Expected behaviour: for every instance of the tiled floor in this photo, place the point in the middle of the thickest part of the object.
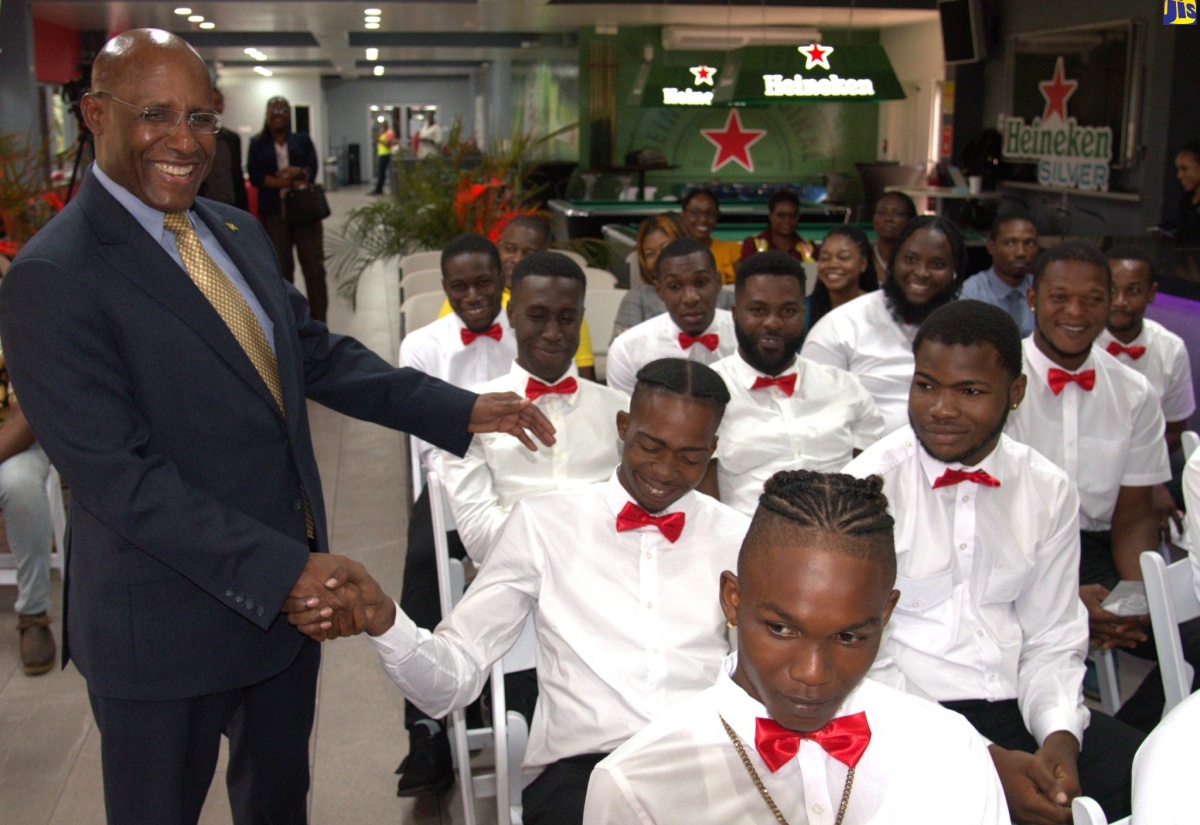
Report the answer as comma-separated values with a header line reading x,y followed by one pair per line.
x,y
49,747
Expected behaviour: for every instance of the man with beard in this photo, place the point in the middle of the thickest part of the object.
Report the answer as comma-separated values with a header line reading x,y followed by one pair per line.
x,y
1100,422
987,546
686,280
1013,245
871,336
818,417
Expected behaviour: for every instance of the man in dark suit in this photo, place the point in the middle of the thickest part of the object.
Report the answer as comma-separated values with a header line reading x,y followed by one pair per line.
x,y
226,182
196,502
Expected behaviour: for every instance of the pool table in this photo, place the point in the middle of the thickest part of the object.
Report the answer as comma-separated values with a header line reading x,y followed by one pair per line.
x,y
586,219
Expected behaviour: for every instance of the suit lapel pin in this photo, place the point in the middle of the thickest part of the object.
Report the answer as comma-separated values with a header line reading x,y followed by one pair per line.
x,y
232,226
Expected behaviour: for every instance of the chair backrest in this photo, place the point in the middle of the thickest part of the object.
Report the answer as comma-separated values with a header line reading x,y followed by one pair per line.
x,y
420,282
1087,811
1171,594
1189,440
573,255
600,309
421,260
599,279
420,310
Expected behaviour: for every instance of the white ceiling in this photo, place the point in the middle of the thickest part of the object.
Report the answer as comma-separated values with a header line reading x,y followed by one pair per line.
x,y
332,22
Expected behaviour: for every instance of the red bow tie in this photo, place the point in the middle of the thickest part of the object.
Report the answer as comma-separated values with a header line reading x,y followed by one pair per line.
x,y
1060,378
958,476
536,389
468,337
844,738
787,383
632,517
1115,348
709,340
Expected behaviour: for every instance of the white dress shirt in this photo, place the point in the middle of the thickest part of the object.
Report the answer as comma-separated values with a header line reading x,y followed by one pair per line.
x,y
1165,768
628,624
659,338
817,427
1106,438
923,764
437,349
1191,497
498,471
1165,365
863,338
989,582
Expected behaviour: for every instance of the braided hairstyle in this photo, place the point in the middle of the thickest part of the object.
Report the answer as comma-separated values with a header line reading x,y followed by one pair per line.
x,y
679,376
833,503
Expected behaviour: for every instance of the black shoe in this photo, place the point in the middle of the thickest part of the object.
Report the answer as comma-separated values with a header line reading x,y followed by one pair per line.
x,y
428,768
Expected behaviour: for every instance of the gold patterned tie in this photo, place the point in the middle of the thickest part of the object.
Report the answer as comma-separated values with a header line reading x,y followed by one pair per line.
x,y
235,312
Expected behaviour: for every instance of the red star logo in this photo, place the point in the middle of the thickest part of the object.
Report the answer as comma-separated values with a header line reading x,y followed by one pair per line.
x,y
816,55
1057,92
703,74
733,142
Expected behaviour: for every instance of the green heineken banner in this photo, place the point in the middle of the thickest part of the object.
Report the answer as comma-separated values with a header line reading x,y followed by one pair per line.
x,y
768,75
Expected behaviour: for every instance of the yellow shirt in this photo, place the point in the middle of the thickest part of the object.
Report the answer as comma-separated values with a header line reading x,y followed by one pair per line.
x,y
583,355
726,254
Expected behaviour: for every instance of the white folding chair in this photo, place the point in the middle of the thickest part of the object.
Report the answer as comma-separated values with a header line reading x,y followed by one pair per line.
x,y
1172,599
599,279
420,310
58,527
421,260
573,255
509,732
1189,440
635,267
419,282
600,310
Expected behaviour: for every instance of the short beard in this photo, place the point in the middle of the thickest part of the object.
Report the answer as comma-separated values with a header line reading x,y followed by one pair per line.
x,y
750,355
905,311
959,458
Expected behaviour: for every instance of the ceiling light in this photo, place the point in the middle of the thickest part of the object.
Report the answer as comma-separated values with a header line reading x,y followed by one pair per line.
x,y
370,25
250,51
208,25
372,11
183,11
374,108
372,54
196,18
263,71
379,71
372,19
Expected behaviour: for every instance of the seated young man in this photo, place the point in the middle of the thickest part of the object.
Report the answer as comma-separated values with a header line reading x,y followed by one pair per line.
x,y
687,281
521,236
791,731
871,336
620,578
989,622
785,412
1013,245
1100,422
545,312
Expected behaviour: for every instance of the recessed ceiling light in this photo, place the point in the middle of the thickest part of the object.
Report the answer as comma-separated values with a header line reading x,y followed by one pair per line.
x,y
379,71
196,18
183,11
372,54
372,19
263,71
374,108
250,50
370,25
208,25
372,11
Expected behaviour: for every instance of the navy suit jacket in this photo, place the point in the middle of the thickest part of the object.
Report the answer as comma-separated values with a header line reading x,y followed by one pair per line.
x,y
262,161
187,530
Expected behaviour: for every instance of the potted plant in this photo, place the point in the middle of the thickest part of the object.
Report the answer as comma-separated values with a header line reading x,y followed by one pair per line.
x,y
26,202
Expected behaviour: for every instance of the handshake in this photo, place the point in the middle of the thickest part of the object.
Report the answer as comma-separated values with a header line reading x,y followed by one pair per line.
x,y
336,596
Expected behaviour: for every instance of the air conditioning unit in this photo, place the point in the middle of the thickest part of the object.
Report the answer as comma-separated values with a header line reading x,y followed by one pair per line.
x,y
699,38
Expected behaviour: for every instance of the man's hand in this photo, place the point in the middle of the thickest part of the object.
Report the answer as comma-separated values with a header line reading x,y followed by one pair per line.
x,y
313,617
1165,511
1108,630
344,605
1034,794
507,412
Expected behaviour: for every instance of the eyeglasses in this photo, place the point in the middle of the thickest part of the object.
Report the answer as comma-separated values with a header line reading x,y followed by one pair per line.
x,y
166,120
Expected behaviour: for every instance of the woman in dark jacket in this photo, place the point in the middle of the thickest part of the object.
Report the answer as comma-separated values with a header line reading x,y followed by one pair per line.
x,y
278,160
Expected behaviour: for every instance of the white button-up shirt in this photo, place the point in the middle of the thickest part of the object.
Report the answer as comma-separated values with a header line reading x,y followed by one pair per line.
x,y
657,338
818,427
988,580
864,339
437,349
923,764
628,624
1106,438
1164,364
498,471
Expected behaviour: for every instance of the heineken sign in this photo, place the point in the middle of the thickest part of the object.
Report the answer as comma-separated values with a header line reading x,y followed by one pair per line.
x,y
1067,154
816,56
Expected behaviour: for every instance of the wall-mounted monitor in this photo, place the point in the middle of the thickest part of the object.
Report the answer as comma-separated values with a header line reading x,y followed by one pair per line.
x,y
962,30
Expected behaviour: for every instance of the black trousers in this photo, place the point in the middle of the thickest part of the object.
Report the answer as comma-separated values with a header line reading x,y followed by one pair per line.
x,y
558,795
1105,758
158,758
382,162
309,245
419,600
1144,708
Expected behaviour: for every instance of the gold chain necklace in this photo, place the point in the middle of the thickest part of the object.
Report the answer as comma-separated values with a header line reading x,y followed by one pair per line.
x,y
741,751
